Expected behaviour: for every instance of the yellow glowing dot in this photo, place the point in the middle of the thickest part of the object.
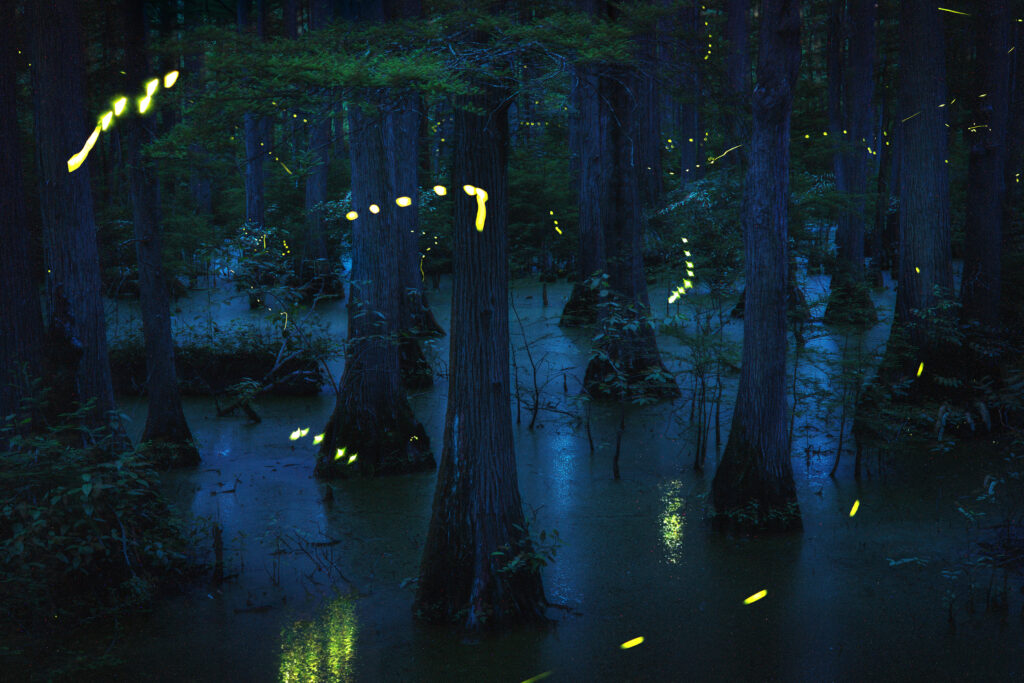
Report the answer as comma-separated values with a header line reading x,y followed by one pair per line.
x,y
119,105
152,86
691,139
170,78
294,436
686,253
690,273
469,189
920,369
632,643
825,133
558,230
856,506
917,269
318,438
338,453
755,597
351,215
105,121
670,139
440,190
685,240
845,133
403,201
144,104
374,208
352,458
807,136
552,213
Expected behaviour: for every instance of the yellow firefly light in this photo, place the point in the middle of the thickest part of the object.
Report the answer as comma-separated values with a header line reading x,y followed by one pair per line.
x,y
317,439
755,597
917,269
352,458
339,453
440,190
152,86
170,78
403,201
632,643
294,436
920,369
540,676
481,209
351,215
374,208
106,119
144,104
79,159
469,189
856,506
119,105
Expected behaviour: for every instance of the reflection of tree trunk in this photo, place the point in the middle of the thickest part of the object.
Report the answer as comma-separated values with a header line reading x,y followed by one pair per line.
x,y
78,336
372,418
753,486
477,527
21,316
166,431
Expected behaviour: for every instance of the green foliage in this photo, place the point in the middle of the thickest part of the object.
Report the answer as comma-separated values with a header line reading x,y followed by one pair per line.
x,y
85,530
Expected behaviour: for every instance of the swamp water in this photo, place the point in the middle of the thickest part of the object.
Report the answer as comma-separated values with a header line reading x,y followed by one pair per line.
x,y
318,589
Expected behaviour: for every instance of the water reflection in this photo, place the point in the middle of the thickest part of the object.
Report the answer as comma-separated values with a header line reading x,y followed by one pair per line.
x,y
673,519
322,649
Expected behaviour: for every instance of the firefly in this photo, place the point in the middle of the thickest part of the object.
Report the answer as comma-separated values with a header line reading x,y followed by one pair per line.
x,y
540,676
144,104
339,453
317,439
351,215
632,643
403,201
78,159
920,369
105,120
170,78
119,105
374,208
755,597
856,506
152,86
440,190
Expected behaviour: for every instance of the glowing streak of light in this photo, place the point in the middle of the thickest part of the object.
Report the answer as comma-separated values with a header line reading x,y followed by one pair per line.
x,y
952,11
170,78
374,208
440,190
469,189
538,677
403,201
632,643
920,369
351,215
558,230
423,276
285,167
152,86
79,159
106,119
916,268
119,105
909,117
285,314
755,597
856,506
724,153
144,104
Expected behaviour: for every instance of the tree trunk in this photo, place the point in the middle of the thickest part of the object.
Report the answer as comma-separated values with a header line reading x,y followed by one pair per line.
x,y
688,135
649,138
252,130
925,265
372,430
986,183
77,344
594,152
315,263
753,488
166,434
627,362
737,108
476,570
849,301
21,316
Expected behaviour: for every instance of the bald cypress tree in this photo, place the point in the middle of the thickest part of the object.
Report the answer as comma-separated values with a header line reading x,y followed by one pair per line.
x,y
753,486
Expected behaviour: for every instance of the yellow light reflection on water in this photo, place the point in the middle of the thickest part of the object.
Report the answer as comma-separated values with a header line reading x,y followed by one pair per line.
x,y
672,520
323,648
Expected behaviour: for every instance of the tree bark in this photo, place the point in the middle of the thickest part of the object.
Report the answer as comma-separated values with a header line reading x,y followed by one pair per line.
x,y
372,419
253,132
21,315
925,262
477,528
981,291
737,108
315,256
753,488
166,434
77,343
849,301
688,135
